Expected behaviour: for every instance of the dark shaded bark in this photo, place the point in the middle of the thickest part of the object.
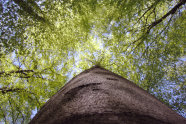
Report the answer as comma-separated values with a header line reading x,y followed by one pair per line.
x,y
98,96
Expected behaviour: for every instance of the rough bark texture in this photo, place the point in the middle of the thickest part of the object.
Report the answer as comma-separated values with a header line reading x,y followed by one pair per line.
x,y
98,96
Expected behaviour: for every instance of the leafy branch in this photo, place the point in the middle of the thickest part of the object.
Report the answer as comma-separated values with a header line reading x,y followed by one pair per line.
x,y
156,22
3,73
5,90
172,11
148,9
165,28
30,9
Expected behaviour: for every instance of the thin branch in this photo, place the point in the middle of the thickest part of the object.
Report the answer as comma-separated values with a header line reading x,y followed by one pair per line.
x,y
5,89
135,41
149,8
154,11
19,71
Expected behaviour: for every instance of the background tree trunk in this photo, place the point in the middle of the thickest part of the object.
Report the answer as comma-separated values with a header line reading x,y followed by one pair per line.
x,y
98,96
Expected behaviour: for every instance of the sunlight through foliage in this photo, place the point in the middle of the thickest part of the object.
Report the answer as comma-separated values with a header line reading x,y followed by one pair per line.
x,y
44,43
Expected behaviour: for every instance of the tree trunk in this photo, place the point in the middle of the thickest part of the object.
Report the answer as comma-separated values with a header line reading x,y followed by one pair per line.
x,y
98,96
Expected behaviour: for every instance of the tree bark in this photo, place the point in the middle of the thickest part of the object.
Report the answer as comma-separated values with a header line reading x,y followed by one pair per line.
x,y
98,96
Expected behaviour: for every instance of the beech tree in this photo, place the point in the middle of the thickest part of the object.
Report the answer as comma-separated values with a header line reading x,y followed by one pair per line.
x,y
45,43
98,96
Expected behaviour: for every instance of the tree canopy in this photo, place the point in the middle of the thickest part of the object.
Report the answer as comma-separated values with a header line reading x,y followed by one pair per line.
x,y
45,43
